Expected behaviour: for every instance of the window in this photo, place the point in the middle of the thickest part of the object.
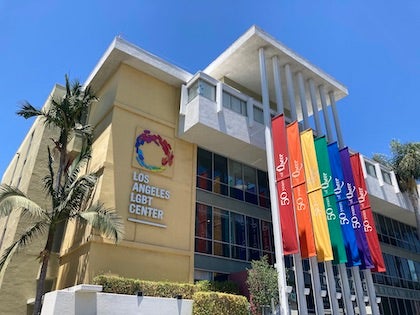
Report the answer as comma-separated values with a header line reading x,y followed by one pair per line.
x,y
203,88
231,178
370,169
258,115
221,232
234,103
386,177
204,169
203,229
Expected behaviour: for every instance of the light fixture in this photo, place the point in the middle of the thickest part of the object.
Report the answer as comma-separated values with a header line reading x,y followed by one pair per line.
x,y
139,293
289,289
353,297
307,291
378,300
323,293
178,297
338,295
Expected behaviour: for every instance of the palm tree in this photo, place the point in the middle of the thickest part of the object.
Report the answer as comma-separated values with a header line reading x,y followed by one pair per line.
x,y
68,189
405,161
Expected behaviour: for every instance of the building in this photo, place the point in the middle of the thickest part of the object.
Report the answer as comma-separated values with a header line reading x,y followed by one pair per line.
x,y
184,163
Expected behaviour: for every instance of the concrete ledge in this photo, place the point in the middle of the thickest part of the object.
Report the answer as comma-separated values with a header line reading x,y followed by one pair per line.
x,y
86,299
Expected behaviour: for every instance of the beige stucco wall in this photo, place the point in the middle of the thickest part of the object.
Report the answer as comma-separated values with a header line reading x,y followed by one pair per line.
x,y
18,284
130,102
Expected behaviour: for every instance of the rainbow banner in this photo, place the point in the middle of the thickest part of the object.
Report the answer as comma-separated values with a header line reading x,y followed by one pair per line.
x,y
344,215
356,216
316,202
367,216
330,204
300,196
284,188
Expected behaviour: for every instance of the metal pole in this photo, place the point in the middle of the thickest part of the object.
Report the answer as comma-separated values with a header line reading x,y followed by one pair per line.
x,y
345,289
371,291
359,290
336,120
302,96
290,92
277,85
332,290
316,286
281,271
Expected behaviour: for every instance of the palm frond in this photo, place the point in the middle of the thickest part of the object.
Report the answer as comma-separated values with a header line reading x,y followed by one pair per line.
x,y
12,198
106,221
33,231
28,111
49,179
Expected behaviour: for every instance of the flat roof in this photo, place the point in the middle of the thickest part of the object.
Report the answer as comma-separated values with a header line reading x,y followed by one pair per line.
x,y
240,63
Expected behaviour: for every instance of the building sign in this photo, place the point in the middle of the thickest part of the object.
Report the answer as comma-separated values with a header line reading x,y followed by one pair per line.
x,y
146,137
143,193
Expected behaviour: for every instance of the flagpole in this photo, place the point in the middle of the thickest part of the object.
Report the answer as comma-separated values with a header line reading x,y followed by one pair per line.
x,y
281,270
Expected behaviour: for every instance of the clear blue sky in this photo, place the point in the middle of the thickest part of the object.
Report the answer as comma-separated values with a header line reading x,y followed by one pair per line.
x,y
372,47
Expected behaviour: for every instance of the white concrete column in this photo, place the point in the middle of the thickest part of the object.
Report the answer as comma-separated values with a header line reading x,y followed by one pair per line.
x,y
336,120
250,111
302,96
345,289
371,291
184,100
359,290
278,241
290,92
219,97
325,113
312,93
277,85
332,290
316,286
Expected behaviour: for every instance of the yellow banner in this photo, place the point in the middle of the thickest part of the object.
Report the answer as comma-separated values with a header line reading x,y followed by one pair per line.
x,y
320,226
309,160
316,200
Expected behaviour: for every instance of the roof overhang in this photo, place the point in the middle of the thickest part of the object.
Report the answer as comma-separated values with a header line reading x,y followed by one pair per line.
x,y
240,63
122,52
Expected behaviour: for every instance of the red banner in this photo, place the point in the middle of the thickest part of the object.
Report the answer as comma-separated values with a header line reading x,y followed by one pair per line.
x,y
367,216
284,188
281,158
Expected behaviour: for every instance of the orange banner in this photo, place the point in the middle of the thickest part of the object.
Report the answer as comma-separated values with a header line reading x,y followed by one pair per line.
x,y
303,218
300,197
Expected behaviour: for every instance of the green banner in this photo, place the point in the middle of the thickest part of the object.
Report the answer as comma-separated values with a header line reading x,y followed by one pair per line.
x,y
327,186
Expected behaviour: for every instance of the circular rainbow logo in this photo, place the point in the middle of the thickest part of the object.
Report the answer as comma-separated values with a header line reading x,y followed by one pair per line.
x,y
146,138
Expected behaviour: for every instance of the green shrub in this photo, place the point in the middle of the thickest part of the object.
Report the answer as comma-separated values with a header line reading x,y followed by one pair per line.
x,y
113,284
218,286
210,303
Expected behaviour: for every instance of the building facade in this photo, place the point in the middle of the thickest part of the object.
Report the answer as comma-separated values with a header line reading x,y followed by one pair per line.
x,y
184,163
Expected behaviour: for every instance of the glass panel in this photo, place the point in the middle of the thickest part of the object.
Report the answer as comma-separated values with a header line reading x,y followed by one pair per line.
x,y
370,169
250,181
235,180
220,175
253,254
203,221
221,249
258,115
237,229
221,225
263,191
207,90
239,252
243,108
253,229
193,91
204,169
226,100
386,177
235,104
267,236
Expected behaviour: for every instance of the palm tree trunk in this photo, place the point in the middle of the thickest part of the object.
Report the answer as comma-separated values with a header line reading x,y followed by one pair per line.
x,y
45,256
415,203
